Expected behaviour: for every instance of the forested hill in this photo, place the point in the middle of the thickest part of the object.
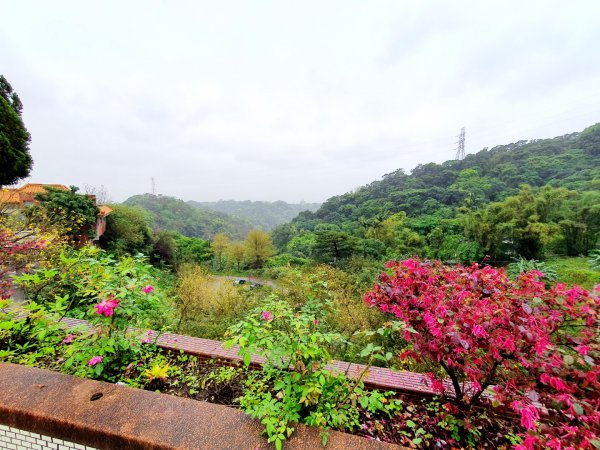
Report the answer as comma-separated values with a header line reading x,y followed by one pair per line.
x,y
169,213
264,215
570,161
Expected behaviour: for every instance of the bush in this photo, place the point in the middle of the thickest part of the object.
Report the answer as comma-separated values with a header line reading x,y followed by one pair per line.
x,y
294,385
536,348
208,305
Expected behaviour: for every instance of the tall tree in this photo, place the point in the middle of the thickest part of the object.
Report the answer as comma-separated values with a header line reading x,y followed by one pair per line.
x,y
259,247
15,160
219,247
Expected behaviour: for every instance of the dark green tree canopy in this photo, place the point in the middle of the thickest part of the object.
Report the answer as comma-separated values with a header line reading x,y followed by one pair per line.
x,y
76,212
15,160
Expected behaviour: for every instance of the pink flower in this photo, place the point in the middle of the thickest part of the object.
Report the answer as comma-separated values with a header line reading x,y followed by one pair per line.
x,y
267,315
479,331
95,360
582,349
68,339
107,306
148,289
316,322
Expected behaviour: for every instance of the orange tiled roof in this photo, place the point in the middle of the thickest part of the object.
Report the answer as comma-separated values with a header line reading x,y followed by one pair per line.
x,y
9,196
38,188
104,210
26,193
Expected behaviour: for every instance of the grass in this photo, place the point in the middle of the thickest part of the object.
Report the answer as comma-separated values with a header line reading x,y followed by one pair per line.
x,y
575,271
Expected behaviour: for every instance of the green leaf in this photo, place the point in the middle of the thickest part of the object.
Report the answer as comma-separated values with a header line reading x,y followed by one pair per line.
x,y
568,359
578,409
247,359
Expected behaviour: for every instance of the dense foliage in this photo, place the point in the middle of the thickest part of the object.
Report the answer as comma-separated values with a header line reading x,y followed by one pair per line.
x,y
529,199
169,213
15,160
74,213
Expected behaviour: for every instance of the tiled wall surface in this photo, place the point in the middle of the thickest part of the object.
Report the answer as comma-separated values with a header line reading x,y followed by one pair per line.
x,y
15,439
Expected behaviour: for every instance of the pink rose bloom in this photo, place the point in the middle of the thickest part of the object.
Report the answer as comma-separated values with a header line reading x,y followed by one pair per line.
x,y
68,339
148,289
267,315
95,360
107,306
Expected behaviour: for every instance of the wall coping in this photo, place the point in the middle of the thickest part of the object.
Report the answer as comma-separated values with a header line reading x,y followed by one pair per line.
x,y
124,418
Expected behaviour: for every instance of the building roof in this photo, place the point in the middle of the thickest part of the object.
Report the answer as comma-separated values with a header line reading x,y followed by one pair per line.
x,y
9,196
38,188
26,193
104,211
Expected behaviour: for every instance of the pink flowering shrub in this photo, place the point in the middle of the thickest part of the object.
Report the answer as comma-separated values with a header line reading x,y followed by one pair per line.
x,y
536,349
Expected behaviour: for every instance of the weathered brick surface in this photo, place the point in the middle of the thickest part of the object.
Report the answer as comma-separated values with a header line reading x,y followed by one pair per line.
x,y
15,438
376,377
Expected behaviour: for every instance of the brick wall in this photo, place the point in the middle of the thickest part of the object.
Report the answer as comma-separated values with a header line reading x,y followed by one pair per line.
x,y
15,439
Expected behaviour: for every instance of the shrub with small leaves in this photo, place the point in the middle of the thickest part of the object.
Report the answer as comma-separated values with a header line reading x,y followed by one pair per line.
x,y
536,348
294,385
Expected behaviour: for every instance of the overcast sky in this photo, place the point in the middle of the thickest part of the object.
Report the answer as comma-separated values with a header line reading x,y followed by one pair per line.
x,y
288,100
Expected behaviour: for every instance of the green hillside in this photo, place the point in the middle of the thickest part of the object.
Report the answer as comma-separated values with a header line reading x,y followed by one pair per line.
x,y
570,161
170,213
530,199
264,215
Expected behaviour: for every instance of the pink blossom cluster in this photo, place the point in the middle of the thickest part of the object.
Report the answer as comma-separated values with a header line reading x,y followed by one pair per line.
x,y
536,347
95,360
107,306
148,289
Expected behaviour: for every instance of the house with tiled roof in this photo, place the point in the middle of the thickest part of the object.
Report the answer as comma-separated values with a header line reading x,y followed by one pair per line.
x,y
17,198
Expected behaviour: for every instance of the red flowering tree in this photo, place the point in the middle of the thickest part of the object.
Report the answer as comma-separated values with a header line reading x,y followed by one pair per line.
x,y
15,253
531,348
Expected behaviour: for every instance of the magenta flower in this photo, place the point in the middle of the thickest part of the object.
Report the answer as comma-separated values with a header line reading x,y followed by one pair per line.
x,y
107,306
267,315
148,289
95,360
316,322
68,339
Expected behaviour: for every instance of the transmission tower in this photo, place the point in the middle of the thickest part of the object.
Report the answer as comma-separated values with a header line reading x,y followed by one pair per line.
x,y
460,150
153,185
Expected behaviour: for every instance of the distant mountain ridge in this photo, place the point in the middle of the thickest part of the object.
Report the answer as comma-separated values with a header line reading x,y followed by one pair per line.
x,y
170,213
264,215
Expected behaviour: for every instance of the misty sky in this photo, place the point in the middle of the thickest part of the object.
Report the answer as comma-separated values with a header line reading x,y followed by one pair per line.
x,y
288,100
